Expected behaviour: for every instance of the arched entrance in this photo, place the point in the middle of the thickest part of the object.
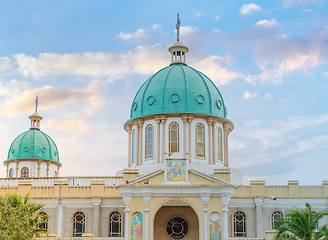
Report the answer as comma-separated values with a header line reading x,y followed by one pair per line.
x,y
176,220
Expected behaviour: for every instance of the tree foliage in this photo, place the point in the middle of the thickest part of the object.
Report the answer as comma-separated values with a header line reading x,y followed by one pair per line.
x,y
301,225
19,219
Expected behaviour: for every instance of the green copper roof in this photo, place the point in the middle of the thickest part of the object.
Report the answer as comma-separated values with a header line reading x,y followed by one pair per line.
x,y
178,89
33,144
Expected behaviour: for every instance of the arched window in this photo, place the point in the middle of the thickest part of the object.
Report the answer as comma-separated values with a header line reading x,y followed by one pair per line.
x,y
11,173
149,141
220,151
200,140
173,138
275,218
239,224
133,146
44,222
79,224
24,172
115,224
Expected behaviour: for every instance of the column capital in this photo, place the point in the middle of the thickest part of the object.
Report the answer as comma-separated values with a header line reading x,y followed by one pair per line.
x,y
184,118
96,201
141,121
127,200
146,199
158,119
258,201
209,120
228,127
225,200
163,118
128,127
190,117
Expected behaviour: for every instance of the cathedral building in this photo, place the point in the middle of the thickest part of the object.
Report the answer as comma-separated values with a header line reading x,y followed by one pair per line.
x,y
177,184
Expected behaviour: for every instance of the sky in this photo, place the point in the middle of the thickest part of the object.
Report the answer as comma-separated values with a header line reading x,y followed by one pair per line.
x,y
86,60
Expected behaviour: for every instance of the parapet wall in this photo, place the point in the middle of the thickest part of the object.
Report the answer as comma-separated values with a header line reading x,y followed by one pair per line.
x,y
292,190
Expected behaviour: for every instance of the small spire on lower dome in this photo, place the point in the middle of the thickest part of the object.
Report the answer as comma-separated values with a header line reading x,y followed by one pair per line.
x,y
35,117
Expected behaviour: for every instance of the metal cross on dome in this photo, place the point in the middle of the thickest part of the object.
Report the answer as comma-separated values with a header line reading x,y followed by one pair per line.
x,y
36,103
178,27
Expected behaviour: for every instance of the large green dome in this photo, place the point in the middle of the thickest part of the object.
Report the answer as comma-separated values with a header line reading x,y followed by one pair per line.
x,y
178,88
33,144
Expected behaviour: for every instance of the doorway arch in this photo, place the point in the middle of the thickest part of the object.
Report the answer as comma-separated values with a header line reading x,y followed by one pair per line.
x,y
176,219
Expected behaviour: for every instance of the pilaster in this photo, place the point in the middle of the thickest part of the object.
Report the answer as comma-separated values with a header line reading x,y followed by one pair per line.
x,y
96,216
259,218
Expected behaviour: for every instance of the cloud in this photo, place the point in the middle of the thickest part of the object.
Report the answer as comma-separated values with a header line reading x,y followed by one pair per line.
x,y
213,68
217,18
248,95
267,23
137,36
268,135
51,97
248,9
12,87
4,63
300,3
281,55
197,13
317,142
268,96
140,60
75,125
268,147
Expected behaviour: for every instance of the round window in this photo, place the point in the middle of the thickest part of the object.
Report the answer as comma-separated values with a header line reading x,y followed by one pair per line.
x,y
177,228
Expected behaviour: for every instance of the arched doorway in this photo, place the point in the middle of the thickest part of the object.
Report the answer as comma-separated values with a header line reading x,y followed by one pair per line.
x,y
176,220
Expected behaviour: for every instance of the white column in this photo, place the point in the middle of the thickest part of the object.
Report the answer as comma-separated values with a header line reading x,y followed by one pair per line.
x,y
141,145
185,121
129,128
96,216
127,211
209,126
225,201
205,200
258,208
190,141
158,139
146,210
163,121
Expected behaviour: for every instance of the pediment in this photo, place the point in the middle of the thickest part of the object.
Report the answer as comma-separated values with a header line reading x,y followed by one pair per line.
x,y
190,178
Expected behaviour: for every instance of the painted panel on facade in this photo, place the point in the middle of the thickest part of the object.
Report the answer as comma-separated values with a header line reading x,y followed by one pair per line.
x,y
136,226
176,170
215,226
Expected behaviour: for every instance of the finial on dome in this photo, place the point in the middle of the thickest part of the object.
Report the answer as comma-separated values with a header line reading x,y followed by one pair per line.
x,y
178,50
36,103
178,27
35,117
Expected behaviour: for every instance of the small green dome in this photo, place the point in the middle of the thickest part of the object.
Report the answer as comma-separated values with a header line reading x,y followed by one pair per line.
x,y
33,144
178,89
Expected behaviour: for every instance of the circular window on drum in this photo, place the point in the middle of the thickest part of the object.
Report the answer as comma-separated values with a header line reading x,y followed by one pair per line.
x,y
177,228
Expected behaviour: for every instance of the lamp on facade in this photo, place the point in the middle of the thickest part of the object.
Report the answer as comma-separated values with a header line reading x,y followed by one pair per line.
x,y
273,198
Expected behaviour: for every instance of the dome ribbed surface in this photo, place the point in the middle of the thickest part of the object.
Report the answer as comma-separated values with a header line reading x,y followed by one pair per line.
x,y
33,144
178,89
